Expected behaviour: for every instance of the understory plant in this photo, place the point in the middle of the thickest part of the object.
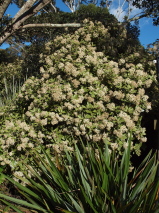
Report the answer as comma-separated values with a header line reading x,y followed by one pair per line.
x,y
11,88
89,180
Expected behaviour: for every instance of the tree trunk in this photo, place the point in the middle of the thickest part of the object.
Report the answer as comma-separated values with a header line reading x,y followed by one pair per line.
x,y
28,10
51,25
3,7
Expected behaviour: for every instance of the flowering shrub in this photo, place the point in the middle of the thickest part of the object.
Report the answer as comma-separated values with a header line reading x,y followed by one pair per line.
x,y
81,93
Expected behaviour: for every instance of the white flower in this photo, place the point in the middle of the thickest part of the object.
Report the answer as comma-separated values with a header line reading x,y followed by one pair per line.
x,y
114,146
9,124
32,133
10,141
30,145
121,61
18,173
19,148
24,140
44,122
111,106
40,135
144,139
125,145
28,114
60,65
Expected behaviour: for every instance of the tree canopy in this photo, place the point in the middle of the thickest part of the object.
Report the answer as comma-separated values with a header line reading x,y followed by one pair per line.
x,y
21,22
148,8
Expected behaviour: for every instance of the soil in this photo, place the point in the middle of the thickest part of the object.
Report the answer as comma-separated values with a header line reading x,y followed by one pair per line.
x,y
9,190
9,210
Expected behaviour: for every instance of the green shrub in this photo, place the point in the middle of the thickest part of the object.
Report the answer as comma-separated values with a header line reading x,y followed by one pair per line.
x,y
80,93
10,81
90,181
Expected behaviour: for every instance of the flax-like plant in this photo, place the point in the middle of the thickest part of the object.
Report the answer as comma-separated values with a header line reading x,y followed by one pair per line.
x,y
90,180
11,88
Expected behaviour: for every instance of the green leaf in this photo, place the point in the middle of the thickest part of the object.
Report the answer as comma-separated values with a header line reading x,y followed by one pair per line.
x,y
2,178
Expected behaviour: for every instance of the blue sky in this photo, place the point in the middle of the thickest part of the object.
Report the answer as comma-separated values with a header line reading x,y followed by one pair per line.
x,y
148,32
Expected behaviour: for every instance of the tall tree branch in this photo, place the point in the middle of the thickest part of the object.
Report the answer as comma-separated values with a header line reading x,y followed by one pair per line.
x,y
51,25
137,17
3,7
25,12
24,8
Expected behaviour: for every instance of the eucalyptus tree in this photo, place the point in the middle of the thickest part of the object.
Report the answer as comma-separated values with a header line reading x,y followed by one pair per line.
x,y
131,10
28,8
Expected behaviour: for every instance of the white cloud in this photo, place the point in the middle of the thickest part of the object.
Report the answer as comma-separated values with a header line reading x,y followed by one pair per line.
x,y
121,8
118,13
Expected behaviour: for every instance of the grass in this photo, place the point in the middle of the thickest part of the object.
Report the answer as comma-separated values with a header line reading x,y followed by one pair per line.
x,y
11,88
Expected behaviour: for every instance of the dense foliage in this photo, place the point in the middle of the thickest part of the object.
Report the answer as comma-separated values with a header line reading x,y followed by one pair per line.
x,y
81,93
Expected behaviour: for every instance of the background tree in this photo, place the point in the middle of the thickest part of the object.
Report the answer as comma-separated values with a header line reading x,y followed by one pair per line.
x,y
29,8
6,56
150,8
73,5
91,12
10,26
